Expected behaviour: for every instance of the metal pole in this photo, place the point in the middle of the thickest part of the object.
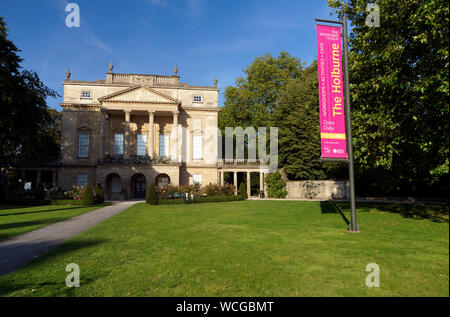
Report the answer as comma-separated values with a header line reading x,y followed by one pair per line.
x,y
353,226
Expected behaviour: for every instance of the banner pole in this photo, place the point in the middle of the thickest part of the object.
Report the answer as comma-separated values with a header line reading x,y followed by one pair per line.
x,y
353,226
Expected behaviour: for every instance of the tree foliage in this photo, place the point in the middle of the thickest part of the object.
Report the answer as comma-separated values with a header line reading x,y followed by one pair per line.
x,y
27,126
242,191
88,195
297,119
99,195
276,186
151,197
399,92
254,97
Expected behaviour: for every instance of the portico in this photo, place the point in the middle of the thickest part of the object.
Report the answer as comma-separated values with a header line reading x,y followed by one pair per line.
x,y
138,107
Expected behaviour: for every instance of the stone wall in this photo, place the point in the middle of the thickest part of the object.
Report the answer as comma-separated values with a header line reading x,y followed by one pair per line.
x,y
323,189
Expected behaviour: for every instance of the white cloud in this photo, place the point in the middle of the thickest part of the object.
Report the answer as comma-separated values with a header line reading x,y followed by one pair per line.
x,y
159,3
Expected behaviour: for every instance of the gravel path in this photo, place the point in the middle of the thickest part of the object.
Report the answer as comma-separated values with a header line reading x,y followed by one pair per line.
x,y
19,250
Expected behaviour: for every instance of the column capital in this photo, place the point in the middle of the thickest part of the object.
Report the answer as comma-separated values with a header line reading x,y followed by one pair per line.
x,y
175,112
151,111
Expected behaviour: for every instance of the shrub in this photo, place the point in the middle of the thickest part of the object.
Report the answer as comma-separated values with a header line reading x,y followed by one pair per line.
x,y
243,191
76,193
151,197
168,191
213,190
276,186
88,195
57,193
99,195
228,189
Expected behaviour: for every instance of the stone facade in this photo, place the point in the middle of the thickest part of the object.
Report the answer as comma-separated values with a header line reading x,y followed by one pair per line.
x,y
102,120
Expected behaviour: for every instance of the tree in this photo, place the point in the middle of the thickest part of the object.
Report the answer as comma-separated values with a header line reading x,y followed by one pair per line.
x,y
24,116
253,98
297,119
243,191
399,94
99,195
151,197
276,186
88,195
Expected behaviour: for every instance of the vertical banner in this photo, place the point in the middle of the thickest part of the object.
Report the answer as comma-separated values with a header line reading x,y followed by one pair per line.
x,y
331,92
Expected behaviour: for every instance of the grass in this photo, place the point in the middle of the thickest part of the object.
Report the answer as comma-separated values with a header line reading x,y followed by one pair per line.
x,y
247,248
16,220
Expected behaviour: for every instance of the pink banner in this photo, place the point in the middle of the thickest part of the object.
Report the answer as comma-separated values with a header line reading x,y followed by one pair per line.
x,y
331,92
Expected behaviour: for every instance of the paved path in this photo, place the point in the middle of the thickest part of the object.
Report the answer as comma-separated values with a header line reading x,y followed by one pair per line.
x,y
19,250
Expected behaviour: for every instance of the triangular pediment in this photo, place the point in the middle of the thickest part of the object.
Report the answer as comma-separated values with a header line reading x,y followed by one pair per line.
x,y
139,94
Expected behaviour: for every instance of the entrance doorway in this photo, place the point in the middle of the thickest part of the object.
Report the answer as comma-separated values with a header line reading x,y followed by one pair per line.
x,y
139,184
113,187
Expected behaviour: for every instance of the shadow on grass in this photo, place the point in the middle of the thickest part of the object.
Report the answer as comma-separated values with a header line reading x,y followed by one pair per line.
x,y
328,207
26,224
28,260
49,210
435,213
11,286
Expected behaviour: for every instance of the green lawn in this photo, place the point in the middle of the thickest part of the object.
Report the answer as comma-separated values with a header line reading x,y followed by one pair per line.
x,y
15,220
248,248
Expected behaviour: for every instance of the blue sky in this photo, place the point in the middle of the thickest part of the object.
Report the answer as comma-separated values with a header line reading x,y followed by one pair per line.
x,y
204,38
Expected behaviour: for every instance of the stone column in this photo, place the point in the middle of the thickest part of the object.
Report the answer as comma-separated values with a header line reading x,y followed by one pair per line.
x,y
151,129
248,185
54,181
102,135
265,187
127,134
175,137
38,179
235,182
261,182
22,180
222,178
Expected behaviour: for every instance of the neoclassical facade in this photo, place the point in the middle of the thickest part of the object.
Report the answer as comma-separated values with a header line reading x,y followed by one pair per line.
x,y
131,129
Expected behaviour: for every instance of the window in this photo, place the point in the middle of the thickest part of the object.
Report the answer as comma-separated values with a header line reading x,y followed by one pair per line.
x,y
82,179
163,145
197,179
83,145
85,94
198,99
197,147
141,143
118,144
162,180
